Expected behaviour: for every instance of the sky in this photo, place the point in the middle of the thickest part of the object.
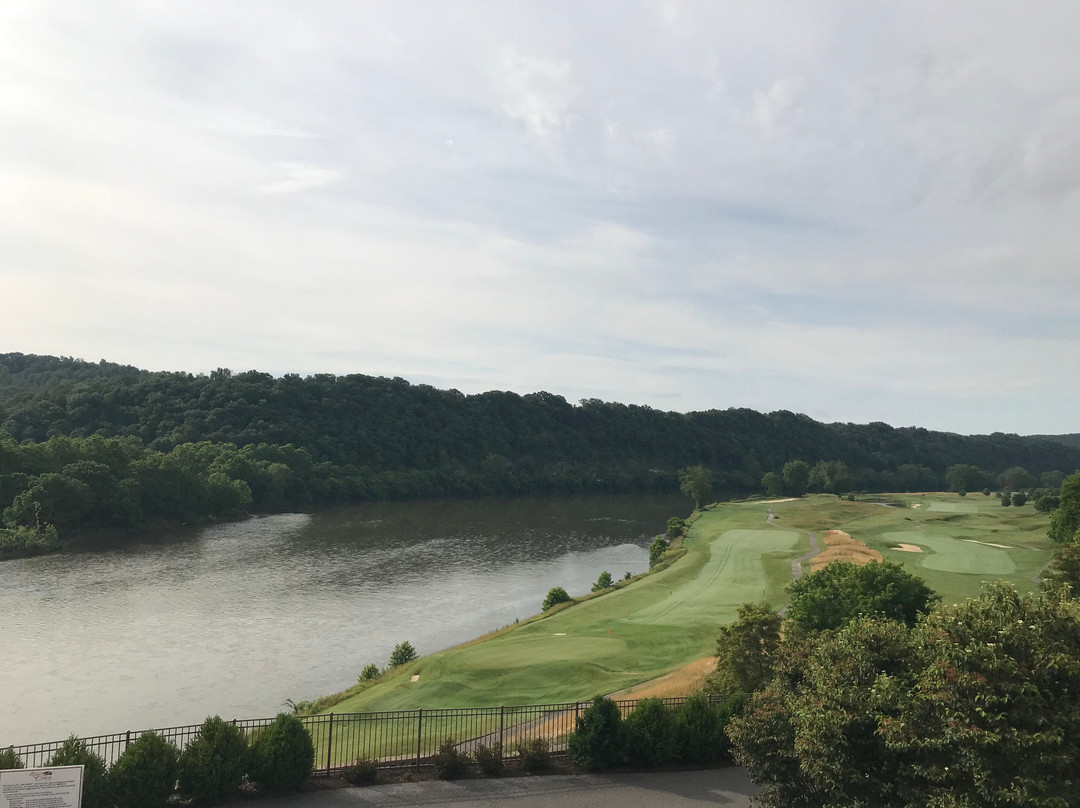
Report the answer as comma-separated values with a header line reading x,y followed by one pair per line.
x,y
858,211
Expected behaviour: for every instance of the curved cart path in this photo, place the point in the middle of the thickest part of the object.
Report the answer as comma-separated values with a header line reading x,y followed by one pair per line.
x,y
815,548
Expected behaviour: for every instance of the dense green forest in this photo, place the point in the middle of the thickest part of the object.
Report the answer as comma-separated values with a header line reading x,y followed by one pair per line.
x,y
87,444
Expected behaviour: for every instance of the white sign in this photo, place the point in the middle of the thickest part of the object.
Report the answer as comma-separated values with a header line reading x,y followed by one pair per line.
x,y
54,787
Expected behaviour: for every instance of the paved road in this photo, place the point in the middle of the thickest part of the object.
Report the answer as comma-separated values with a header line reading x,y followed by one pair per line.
x,y
728,787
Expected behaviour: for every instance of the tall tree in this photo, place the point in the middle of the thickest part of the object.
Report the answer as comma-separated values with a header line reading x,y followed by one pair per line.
x,y
696,482
796,476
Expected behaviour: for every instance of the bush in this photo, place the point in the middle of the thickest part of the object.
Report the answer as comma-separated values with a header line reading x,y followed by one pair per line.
x,y
489,759
95,785
403,652
282,756
145,774
363,772
555,596
675,527
1019,499
961,493
699,730
603,582
449,762
657,549
368,673
650,734
9,760
534,755
213,765
598,741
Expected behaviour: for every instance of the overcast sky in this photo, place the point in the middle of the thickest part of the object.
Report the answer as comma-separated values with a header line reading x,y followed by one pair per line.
x,y
860,211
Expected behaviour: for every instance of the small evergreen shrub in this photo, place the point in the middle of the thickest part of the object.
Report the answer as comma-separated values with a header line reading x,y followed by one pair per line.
x,y
555,596
650,734
449,762
603,582
598,741
145,774
9,760
403,652
282,756
369,672
534,755
489,759
363,772
700,729
95,785
213,765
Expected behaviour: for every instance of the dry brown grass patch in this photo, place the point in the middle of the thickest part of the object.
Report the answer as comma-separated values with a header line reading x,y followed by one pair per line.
x,y
684,681
840,546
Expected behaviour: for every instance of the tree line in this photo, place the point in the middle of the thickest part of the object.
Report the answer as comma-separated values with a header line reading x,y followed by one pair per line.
x,y
86,445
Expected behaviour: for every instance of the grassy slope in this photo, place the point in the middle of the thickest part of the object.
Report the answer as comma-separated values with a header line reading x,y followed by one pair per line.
x,y
670,618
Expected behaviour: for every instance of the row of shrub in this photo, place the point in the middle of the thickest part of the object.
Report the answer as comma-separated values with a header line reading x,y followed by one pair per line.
x,y
279,758
653,734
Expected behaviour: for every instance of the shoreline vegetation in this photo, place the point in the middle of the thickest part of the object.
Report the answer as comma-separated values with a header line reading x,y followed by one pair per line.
x,y
625,636
89,446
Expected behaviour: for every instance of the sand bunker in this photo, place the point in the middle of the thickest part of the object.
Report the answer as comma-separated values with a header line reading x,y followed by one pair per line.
x,y
415,677
917,505
987,543
840,546
774,501
907,548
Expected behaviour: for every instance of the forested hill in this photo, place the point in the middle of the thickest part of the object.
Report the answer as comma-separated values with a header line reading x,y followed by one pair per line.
x,y
495,442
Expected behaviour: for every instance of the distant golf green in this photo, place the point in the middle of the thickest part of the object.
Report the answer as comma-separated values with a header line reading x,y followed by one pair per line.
x,y
670,618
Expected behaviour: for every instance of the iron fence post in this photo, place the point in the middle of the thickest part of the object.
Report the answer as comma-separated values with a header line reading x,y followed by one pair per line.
x,y
502,726
419,734
329,742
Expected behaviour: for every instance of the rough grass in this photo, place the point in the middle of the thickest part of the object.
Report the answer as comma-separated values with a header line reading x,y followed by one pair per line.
x,y
839,546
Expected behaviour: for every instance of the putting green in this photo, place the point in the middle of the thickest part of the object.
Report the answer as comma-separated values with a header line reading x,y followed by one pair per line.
x,y
955,555
733,575
954,507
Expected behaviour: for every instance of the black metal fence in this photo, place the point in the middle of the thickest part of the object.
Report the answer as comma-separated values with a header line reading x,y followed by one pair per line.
x,y
389,739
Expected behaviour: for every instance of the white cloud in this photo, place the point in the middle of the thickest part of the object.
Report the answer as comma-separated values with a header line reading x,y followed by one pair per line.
x,y
299,177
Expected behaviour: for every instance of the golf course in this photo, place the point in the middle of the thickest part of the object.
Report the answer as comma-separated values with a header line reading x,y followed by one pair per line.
x,y
644,628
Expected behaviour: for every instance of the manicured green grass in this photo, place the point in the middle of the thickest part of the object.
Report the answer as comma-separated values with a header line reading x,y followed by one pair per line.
x,y
667,619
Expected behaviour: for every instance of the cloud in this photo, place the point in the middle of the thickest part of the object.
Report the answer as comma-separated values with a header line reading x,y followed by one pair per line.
x,y
299,177
537,92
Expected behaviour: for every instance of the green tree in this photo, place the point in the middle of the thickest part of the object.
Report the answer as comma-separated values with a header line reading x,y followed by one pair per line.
x,y
603,582
1016,478
656,549
1065,520
696,483
796,476
555,596
967,477
841,591
369,672
75,752
1051,479
599,739
773,483
283,755
746,651
213,765
1019,498
675,527
145,774
403,652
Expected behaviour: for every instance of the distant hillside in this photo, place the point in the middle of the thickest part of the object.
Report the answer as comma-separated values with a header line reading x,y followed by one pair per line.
x,y
495,442
1072,439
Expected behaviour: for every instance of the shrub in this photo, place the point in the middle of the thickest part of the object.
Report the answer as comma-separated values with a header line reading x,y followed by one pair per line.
x,y
369,672
699,731
363,772
145,774
95,786
986,492
534,755
650,734
489,759
675,527
555,596
213,765
1019,499
403,652
961,493
449,762
603,582
656,549
9,760
282,756
598,741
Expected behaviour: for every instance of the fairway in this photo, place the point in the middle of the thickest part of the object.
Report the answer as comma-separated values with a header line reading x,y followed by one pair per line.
x,y
667,619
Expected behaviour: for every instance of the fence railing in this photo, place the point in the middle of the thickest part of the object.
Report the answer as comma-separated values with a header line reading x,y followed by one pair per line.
x,y
389,739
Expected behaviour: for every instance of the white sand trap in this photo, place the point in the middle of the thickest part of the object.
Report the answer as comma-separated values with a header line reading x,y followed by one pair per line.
x,y
415,677
917,505
774,501
988,544
559,634
907,548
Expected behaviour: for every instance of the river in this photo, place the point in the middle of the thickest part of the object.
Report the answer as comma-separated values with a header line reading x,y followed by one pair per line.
x,y
233,619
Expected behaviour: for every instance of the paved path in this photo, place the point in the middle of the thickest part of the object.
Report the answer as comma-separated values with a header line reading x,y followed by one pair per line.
x,y
796,564
729,787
